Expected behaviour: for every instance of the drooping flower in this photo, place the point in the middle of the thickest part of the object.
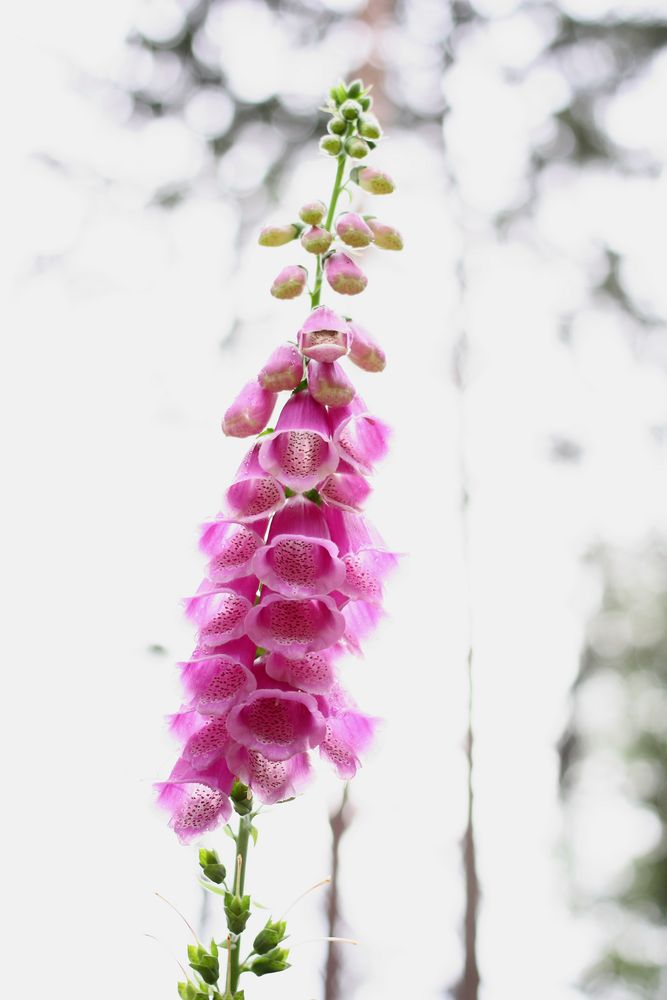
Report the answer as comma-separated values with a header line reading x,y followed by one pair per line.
x,y
250,412
324,336
362,439
299,560
278,724
254,495
300,453
283,370
365,352
329,385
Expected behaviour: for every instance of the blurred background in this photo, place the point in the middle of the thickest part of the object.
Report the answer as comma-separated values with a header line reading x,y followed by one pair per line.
x,y
508,836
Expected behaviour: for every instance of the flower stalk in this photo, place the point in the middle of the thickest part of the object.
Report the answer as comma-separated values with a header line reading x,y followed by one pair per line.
x,y
295,574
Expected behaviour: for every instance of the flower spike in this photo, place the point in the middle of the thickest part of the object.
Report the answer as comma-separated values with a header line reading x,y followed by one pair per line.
x,y
295,574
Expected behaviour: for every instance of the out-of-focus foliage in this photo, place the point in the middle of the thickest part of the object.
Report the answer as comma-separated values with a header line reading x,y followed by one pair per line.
x,y
624,664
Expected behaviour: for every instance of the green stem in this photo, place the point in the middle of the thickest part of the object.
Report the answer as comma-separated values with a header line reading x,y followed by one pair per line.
x,y
333,201
242,842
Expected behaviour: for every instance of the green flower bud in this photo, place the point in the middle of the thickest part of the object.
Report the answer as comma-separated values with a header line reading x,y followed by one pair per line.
x,y
313,212
241,796
277,236
369,127
350,110
338,93
366,102
355,88
356,147
337,126
270,936
274,961
330,144
211,866
237,911
207,966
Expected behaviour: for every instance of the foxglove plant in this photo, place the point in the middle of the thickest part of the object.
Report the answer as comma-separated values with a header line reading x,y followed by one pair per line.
x,y
295,573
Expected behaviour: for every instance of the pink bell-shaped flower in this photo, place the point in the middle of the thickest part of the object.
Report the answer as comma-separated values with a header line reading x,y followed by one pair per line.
x,y
215,683
361,438
324,336
283,370
299,559
344,276
373,180
295,626
197,801
270,780
329,384
279,724
313,672
253,495
299,453
250,412
345,488
231,547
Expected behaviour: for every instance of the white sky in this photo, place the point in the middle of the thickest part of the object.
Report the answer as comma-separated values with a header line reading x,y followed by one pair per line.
x,y
114,384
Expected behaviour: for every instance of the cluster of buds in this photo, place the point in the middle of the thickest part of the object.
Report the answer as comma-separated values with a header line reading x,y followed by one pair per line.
x,y
295,572
352,132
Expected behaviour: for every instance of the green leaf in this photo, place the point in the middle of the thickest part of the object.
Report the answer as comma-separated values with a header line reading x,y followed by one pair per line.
x,y
212,887
267,430
230,833
213,950
254,833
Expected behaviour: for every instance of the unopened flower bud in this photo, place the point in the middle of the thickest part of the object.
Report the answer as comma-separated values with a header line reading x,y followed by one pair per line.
x,y
353,230
338,93
290,282
350,110
329,384
355,88
331,144
316,240
356,148
364,351
324,335
241,796
277,236
250,412
372,180
337,125
386,237
313,212
210,864
274,961
366,102
283,370
270,936
343,274
237,912
369,127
